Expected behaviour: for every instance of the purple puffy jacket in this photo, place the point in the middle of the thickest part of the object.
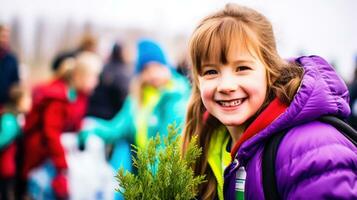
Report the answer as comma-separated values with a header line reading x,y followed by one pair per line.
x,y
314,160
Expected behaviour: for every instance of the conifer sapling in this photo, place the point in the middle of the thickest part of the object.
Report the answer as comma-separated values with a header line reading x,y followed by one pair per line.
x,y
162,171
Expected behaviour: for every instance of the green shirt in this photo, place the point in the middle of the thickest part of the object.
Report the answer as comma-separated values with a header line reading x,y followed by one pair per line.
x,y
151,96
219,158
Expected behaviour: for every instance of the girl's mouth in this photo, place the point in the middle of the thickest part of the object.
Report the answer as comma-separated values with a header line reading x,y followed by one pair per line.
x,y
231,103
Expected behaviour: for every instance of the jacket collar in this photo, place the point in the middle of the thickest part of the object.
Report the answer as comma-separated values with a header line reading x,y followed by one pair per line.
x,y
269,114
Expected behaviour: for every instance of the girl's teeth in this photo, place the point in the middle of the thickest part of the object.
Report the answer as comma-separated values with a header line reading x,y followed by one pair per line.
x,y
231,103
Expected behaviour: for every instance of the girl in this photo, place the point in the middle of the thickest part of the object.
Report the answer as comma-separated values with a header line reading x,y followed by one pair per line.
x,y
19,102
244,93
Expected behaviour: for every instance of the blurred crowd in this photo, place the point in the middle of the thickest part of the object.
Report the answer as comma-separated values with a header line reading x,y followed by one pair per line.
x,y
88,98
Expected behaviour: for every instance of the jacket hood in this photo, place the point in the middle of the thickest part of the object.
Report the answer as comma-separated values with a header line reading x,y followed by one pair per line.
x,y
321,92
56,89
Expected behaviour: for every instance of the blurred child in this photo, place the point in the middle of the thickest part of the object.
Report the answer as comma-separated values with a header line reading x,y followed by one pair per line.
x,y
19,102
88,43
157,98
245,93
58,108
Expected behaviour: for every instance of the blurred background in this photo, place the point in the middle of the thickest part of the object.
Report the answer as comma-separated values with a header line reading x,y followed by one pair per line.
x,y
71,45
42,28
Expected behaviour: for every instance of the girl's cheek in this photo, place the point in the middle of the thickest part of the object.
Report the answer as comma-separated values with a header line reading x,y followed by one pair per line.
x,y
206,94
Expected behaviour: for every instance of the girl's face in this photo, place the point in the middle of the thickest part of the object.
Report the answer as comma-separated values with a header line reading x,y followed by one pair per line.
x,y
155,75
85,81
233,92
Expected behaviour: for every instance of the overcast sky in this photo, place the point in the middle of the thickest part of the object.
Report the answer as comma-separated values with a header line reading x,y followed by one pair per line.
x,y
324,27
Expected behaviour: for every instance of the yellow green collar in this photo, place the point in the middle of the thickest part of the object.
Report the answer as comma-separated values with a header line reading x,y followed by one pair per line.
x,y
218,157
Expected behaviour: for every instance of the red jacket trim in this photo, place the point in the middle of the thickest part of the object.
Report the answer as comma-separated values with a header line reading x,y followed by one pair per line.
x,y
269,114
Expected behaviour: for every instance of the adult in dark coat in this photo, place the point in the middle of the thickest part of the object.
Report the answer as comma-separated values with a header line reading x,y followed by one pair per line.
x,y
112,89
9,72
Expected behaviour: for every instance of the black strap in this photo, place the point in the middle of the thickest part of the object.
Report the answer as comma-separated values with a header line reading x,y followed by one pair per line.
x,y
268,167
342,126
271,149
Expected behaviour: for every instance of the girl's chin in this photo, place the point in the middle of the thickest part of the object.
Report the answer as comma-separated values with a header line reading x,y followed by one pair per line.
x,y
232,123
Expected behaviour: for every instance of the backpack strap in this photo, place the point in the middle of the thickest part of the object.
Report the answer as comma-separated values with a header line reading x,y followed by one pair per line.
x,y
268,166
271,148
342,126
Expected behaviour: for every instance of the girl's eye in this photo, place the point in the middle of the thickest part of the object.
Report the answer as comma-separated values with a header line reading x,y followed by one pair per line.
x,y
242,68
209,72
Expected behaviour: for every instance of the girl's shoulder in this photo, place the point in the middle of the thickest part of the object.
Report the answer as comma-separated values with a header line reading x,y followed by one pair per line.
x,y
314,146
311,154
313,136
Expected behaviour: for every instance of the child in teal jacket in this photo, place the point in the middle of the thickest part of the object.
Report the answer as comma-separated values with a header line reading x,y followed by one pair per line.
x,y
158,98
19,102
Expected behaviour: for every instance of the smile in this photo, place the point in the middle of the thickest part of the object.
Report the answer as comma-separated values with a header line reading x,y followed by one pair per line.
x,y
231,103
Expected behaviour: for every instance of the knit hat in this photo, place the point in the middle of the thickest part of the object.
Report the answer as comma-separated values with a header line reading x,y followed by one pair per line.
x,y
148,51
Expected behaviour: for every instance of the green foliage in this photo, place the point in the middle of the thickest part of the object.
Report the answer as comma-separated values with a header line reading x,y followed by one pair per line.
x,y
162,173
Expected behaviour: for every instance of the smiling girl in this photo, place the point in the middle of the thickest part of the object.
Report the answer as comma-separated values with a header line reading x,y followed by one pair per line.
x,y
244,93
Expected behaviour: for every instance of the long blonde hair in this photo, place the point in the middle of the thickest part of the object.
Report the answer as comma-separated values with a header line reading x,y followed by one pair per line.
x,y
212,40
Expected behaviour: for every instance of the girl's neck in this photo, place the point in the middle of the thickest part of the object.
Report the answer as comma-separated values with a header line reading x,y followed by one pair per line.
x,y
236,132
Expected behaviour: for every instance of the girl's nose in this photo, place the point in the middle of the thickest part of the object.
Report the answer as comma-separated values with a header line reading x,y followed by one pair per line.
x,y
227,85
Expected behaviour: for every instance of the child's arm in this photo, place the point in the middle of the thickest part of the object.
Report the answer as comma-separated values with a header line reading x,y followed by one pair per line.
x,y
53,121
172,108
9,129
121,126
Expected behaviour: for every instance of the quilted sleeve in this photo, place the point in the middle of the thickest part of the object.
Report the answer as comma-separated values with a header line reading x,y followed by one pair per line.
x,y
315,161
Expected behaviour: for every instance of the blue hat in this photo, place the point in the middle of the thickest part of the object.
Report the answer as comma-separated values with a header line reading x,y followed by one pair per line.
x,y
148,51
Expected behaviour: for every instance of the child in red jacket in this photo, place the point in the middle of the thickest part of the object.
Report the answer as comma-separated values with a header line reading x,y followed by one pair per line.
x,y
58,107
